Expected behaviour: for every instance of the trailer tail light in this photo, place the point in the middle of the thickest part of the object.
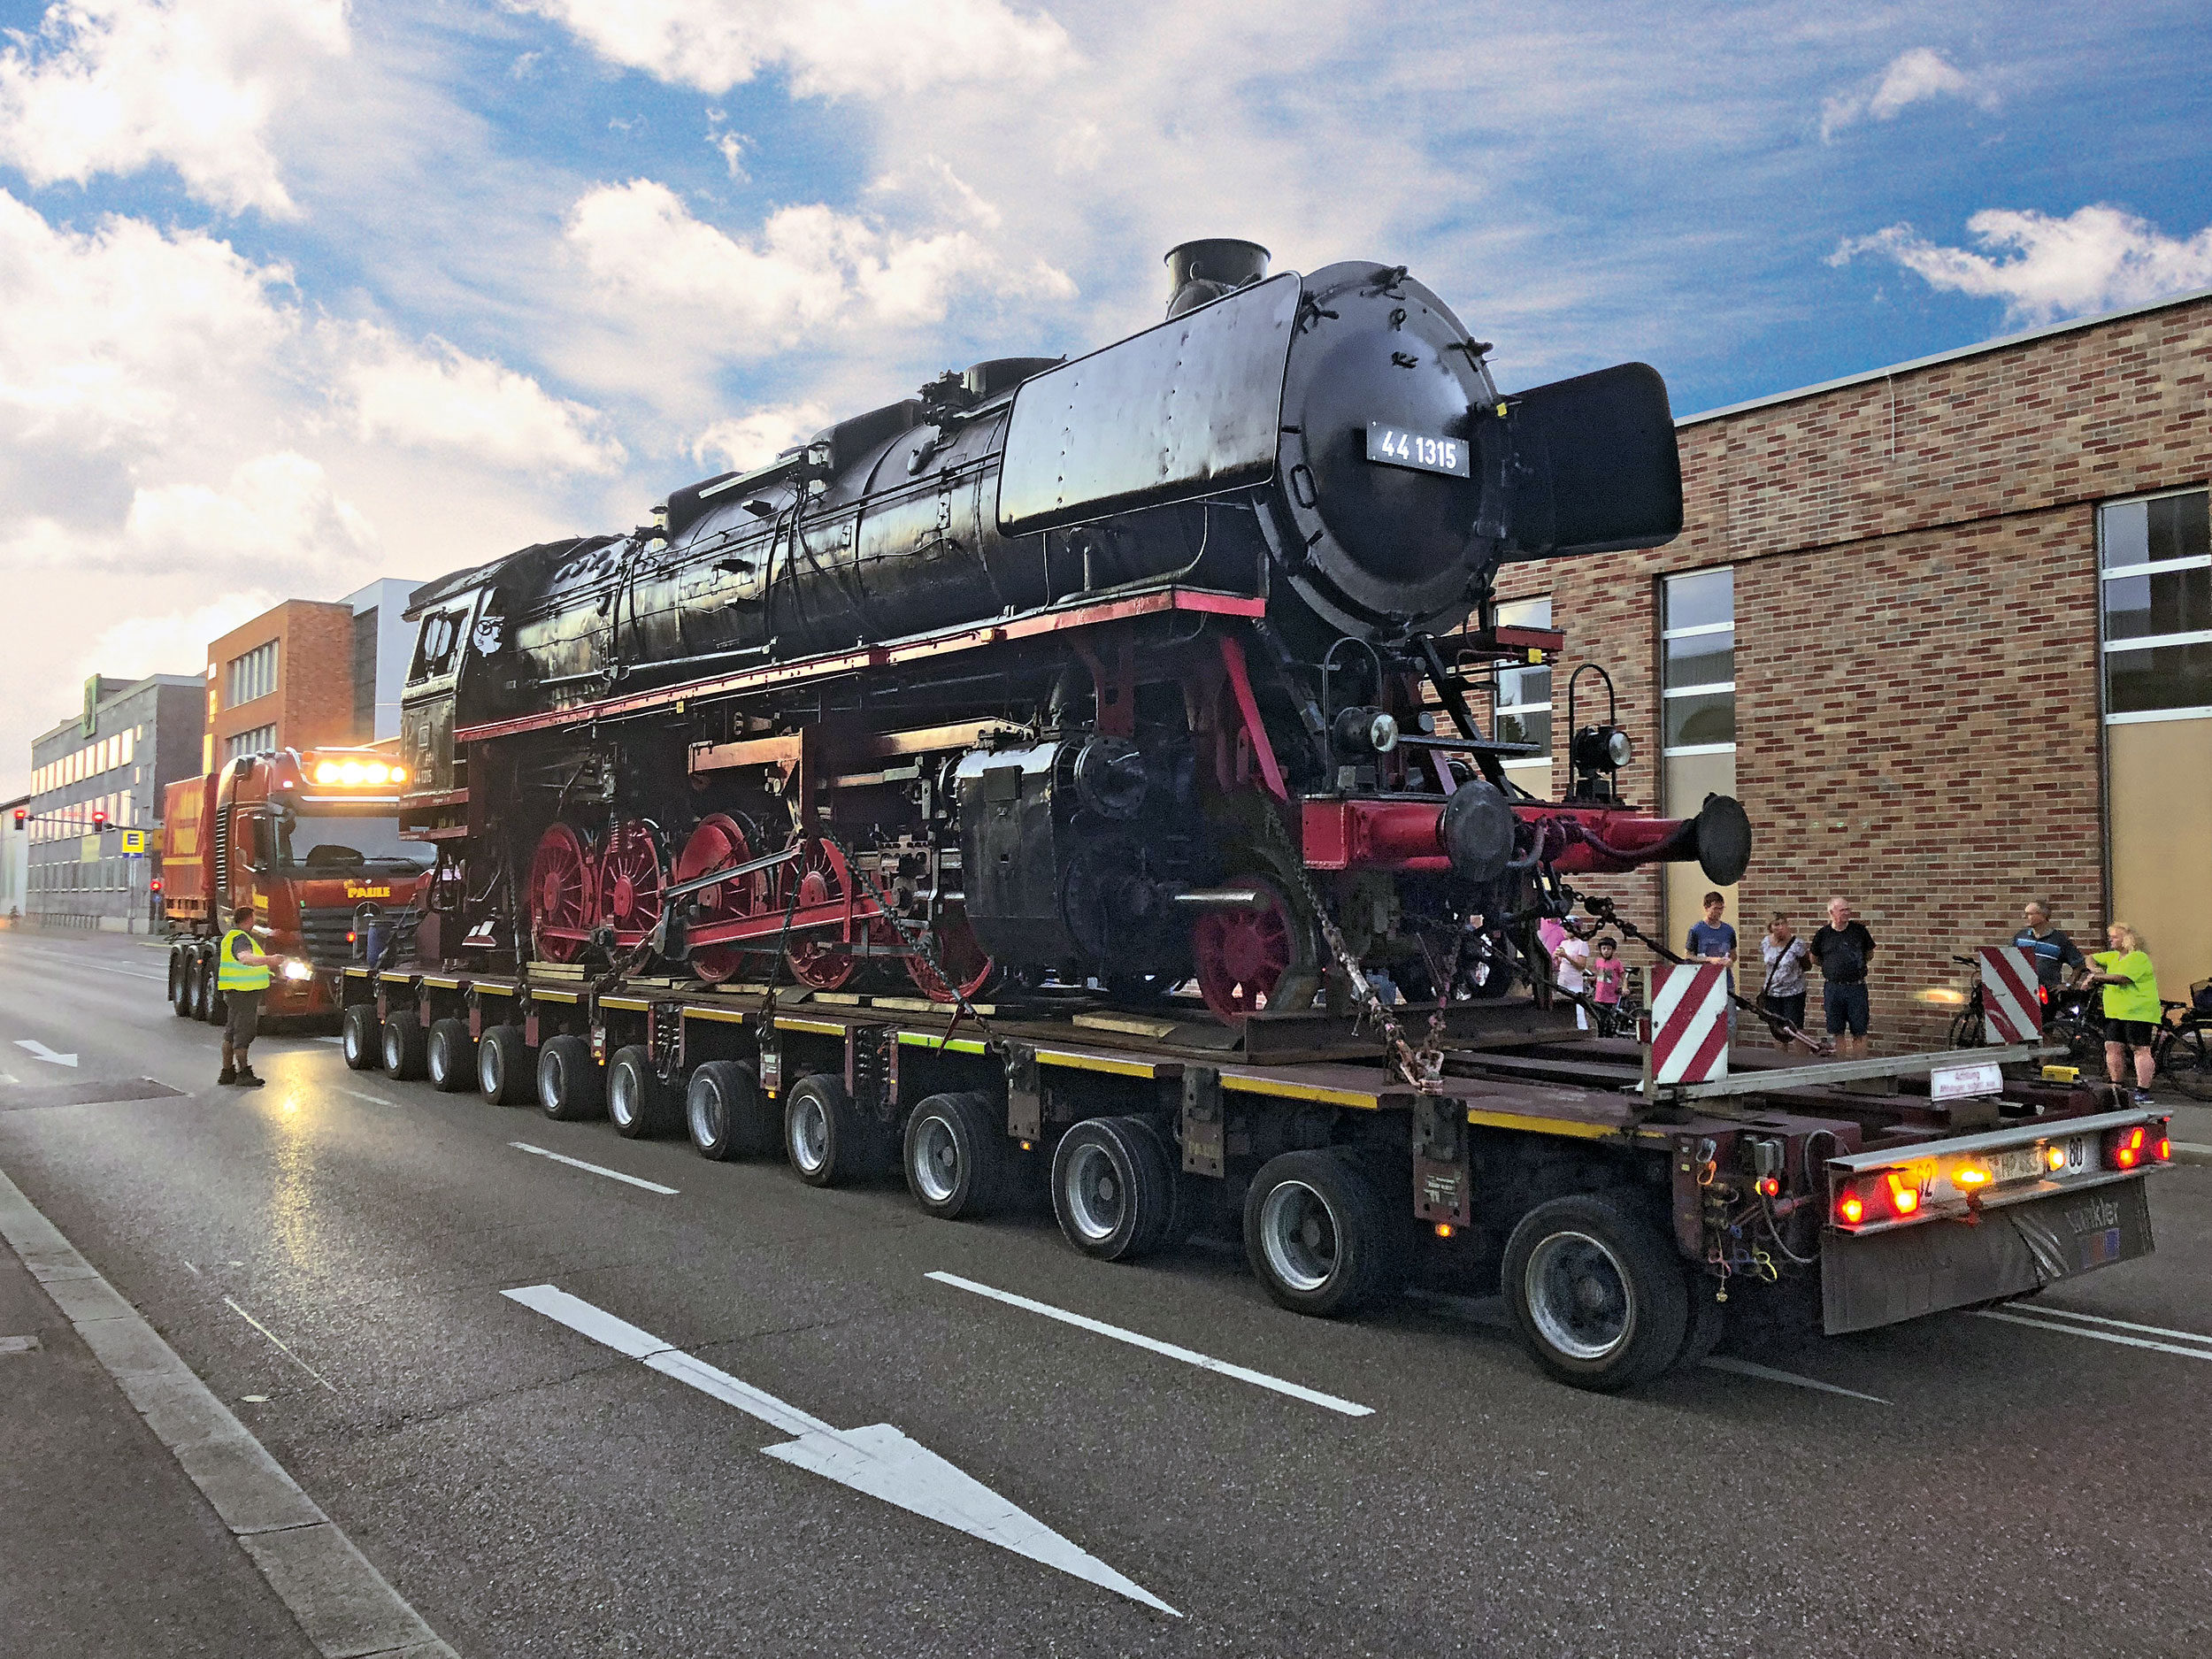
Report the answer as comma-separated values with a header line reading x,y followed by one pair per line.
x,y
2135,1148
1904,1197
1850,1209
1770,1186
1891,1196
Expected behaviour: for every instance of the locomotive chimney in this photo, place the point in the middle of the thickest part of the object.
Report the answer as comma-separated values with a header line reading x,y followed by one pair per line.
x,y
1207,269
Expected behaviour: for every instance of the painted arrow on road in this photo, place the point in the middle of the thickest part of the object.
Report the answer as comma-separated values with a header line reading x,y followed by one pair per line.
x,y
40,1051
878,1460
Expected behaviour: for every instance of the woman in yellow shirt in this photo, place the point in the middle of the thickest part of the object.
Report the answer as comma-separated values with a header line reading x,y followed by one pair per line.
x,y
2131,1011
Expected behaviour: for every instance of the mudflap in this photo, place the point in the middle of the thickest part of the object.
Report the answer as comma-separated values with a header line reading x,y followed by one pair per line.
x,y
1879,1278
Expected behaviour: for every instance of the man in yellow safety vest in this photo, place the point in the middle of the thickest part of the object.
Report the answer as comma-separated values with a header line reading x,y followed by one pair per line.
x,y
242,974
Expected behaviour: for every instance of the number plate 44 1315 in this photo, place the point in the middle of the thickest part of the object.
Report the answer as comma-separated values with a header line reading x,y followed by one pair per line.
x,y
1395,446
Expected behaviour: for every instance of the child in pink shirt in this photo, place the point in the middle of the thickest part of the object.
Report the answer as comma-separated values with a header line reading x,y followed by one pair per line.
x,y
1606,974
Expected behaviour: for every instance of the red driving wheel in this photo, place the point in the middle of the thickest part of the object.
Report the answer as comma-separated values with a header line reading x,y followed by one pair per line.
x,y
965,960
716,844
823,878
563,894
631,880
1242,955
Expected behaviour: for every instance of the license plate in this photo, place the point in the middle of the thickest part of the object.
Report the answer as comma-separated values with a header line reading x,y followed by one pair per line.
x,y
2023,1163
1395,446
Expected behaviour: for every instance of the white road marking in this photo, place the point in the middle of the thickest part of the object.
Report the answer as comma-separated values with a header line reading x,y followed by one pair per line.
x,y
1767,1373
38,1050
2191,1146
2097,1336
879,1460
189,1268
373,1100
1189,1356
287,1352
597,1169
2044,1309
336,1039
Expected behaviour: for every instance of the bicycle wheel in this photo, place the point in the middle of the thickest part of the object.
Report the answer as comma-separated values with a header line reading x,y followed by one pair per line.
x,y
2187,1059
1966,1027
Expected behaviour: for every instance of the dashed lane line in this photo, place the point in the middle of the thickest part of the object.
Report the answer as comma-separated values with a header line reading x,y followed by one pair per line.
x,y
2044,1310
2098,1336
1137,1339
595,1169
1767,1373
281,1348
341,1601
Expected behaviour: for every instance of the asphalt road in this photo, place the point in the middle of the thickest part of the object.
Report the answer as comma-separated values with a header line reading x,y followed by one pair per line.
x,y
1985,1487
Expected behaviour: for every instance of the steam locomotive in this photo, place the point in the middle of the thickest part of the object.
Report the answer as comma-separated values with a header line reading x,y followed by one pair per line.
x,y
1147,666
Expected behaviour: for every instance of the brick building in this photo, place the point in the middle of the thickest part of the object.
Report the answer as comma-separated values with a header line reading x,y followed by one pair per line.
x,y
1945,629
308,673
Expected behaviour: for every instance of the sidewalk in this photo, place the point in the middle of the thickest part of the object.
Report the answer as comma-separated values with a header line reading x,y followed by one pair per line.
x,y
105,1548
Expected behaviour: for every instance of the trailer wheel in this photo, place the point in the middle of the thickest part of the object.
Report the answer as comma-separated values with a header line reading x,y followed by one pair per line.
x,y
1321,1235
360,1038
957,1161
505,1068
1599,1296
451,1062
180,983
208,1006
638,1103
406,1045
823,1133
1706,1324
727,1115
571,1086
1113,1187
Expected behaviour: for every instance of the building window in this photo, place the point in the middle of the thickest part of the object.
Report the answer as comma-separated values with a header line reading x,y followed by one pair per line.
x,y
1697,718
252,675
1522,713
253,742
2156,564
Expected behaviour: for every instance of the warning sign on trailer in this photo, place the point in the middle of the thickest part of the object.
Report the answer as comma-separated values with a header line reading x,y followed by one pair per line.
x,y
2011,1010
1689,1022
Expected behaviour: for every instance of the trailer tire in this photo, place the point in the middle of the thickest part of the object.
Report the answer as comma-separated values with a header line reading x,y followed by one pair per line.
x,y
406,1045
1321,1235
505,1067
1113,1189
1600,1295
571,1086
208,1006
451,1061
1707,1324
957,1161
824,1135
361,1038
638,1103
180,983
727,1115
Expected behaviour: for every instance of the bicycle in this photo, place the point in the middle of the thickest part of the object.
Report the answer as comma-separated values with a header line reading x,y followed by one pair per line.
x,y
2067,1019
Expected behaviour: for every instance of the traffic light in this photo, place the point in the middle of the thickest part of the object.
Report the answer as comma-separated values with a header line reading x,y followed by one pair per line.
x,y
99,818
22,816
154,885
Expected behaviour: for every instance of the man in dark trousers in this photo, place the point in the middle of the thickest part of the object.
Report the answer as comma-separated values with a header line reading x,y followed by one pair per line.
x,y
1844,949
242,974
2051,951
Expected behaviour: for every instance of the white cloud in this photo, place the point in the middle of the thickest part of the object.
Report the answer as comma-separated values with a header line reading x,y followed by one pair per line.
x,y
2097,258
437,396
171,642
828,48
113,85
277,510
754,440
1911,77
809,269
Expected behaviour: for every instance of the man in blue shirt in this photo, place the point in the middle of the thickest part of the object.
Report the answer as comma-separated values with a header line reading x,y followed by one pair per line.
x,y
1714,940
2051,951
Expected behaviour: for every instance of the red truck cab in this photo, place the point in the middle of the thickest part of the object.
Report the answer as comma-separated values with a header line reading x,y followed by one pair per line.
x,y
311,840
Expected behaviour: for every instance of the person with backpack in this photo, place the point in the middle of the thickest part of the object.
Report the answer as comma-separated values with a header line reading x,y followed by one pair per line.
x,y
1844,949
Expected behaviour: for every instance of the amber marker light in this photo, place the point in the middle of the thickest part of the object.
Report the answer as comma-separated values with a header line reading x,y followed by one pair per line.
x,y
1444,1229
2054,1158
377,772
1971,1175
327,772
399,774
1904,1198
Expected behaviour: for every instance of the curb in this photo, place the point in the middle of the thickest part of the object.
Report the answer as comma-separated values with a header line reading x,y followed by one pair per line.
x,y
2189,1152
347,1609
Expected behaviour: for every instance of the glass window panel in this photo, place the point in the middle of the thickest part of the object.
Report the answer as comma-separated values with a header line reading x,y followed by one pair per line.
x,y
2170,601
1707,596
1702,659
2126,534
1532,727
2178,526
1525,613
2162,676
1523,685
1696,720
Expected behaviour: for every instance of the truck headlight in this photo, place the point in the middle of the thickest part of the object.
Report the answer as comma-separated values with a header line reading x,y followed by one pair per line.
x,y
298,970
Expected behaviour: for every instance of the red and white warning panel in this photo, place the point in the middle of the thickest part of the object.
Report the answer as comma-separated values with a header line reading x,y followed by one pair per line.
x,y
2012,1011
1689,1022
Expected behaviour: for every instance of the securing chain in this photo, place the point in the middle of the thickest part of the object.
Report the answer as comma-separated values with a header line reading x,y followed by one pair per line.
x,y
922,941
1422,1067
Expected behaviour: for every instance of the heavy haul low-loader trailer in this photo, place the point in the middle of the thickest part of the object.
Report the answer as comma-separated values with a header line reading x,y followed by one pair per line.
x,y
1624,1222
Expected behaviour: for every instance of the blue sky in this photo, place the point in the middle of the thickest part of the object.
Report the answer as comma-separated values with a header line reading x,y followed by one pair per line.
x,y
298,293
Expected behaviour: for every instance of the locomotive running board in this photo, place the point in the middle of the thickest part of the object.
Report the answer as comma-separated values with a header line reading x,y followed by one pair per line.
x,y
889,654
